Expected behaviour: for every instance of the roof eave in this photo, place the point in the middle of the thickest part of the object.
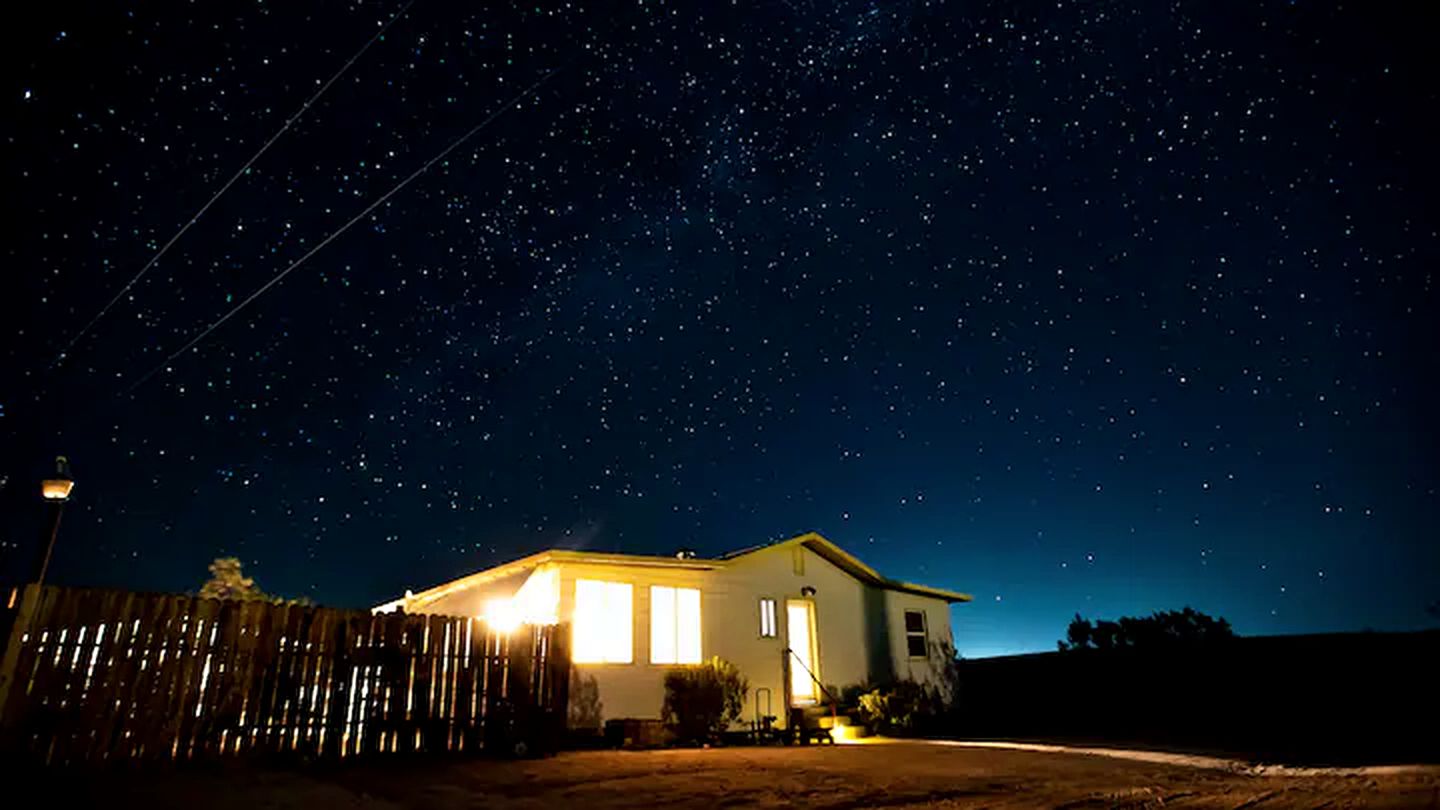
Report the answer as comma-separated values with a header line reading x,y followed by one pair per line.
x,y
540,558
925,590
636,560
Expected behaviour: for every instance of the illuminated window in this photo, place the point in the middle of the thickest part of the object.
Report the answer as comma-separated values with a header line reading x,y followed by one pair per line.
x,y
674,625
915,641
604,629
767,618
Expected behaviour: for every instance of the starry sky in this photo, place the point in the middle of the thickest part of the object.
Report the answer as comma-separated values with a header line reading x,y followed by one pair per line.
x,y
1093,307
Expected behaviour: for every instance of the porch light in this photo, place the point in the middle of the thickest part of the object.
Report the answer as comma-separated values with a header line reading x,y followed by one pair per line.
x,y
843,732
537,602
503,615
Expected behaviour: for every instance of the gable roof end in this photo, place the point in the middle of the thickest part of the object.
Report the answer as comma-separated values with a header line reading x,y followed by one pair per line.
x,y
853,566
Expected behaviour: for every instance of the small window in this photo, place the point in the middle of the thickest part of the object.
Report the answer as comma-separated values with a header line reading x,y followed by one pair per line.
x,y
797,559
767,618
916,644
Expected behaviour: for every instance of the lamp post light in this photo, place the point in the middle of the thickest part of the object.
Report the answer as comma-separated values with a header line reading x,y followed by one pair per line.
x,y
55,491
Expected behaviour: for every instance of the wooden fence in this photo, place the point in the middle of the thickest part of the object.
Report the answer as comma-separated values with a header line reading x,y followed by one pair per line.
x,y
93,675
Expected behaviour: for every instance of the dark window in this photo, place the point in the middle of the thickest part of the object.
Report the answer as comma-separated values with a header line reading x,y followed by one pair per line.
x,y
914,621
916,644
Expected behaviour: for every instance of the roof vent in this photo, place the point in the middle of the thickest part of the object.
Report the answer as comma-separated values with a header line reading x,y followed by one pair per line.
x,y
685,554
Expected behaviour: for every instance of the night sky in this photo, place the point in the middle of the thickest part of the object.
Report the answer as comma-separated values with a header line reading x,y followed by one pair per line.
x,y
1082,306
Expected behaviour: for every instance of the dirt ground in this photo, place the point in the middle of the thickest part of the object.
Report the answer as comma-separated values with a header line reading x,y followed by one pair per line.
x,y
833,777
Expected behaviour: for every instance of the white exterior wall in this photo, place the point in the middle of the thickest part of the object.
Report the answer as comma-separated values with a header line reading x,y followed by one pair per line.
x,y
860,629
853,647
931,668
770,573
636,689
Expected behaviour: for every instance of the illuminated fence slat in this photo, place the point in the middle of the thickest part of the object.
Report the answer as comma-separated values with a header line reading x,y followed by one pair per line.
x,y
95,675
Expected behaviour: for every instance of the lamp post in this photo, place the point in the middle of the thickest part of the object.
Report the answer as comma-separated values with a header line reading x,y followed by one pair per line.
x,y
55,491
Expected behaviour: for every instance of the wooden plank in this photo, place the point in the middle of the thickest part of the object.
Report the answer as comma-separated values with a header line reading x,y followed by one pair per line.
x,y
316,680
337,739
196,646
420,683
78,719
116,686
405,679
150,720
366,654
278,652
202,698
560,681
479,640
133,679
225,733
297,716
24,702
237,718
93,675
54,684
110,673
18,650
98,673
256,625
59,688
146,720
460,706
518,687
441,727
290,705
207,697
558,696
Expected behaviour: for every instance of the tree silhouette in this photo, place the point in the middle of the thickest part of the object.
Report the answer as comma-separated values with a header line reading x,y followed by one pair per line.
x,y
228,581
1168,628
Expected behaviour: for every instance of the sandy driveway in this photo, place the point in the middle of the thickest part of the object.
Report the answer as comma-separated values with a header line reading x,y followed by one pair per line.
x,y
835,777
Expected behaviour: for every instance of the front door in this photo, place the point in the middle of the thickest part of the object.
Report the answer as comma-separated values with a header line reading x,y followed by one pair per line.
x,y
800,632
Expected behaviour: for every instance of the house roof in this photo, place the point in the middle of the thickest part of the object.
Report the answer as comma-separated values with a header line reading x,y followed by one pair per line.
x,y
814,541
852,565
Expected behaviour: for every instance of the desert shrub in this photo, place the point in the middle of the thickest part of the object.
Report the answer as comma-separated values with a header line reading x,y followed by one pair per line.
x,y
903,707
850,693
701,701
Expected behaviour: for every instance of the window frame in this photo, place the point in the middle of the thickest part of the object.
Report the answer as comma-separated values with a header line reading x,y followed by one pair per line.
x,y
773,616
576,626
675,623
923,634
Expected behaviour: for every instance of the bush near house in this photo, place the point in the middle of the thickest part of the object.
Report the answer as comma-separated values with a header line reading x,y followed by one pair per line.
x,y
904,708
701,701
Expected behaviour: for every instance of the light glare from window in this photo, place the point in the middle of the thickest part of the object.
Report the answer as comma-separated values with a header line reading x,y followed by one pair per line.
x,y
604,627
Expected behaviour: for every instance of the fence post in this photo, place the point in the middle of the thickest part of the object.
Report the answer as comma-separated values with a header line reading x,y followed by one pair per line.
x,y
558,661
29,600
